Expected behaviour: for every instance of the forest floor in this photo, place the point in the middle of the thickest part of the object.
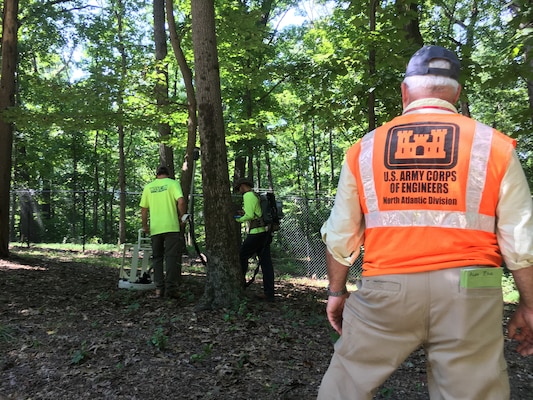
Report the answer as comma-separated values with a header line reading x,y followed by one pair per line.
x,y
68,332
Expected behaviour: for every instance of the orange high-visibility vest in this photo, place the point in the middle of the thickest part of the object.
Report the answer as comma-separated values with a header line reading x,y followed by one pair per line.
x,y
429,191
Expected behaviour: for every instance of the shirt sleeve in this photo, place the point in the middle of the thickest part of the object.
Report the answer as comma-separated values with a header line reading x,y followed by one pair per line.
x,y
144,198
343,232
178,192
250,204
514,213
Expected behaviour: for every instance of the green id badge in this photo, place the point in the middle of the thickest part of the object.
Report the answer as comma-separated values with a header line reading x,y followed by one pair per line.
x,y
472,278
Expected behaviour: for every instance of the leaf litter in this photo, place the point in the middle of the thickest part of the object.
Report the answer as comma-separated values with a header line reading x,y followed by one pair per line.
x,y
67,331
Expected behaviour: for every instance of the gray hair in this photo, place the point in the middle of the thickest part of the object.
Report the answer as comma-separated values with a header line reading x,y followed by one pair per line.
x,y
432,83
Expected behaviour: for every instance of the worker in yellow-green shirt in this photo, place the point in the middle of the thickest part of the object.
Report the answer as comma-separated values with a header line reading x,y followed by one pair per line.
x,y
162,206
258,238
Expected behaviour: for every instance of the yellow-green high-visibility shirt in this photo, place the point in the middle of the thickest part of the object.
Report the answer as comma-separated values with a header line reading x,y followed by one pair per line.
x,y
160,197
252,210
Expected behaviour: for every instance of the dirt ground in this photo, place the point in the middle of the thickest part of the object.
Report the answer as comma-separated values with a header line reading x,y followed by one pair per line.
x,y
68,332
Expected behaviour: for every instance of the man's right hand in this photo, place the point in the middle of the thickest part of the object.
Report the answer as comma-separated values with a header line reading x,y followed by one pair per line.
x,y
334,311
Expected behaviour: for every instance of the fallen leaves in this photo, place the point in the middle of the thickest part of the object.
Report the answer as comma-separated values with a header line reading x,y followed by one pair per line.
x,y
67,332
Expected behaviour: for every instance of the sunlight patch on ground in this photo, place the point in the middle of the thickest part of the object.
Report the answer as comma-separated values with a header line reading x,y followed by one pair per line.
x,y
6,266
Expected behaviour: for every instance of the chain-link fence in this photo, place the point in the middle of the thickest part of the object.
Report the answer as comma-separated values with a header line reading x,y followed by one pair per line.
x,y
299,238
84,217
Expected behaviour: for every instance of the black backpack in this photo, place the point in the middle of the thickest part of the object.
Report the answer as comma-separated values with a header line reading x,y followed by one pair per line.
x,y
272,210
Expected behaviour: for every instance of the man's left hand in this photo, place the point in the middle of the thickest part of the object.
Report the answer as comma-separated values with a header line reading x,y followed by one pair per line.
x,y
520,328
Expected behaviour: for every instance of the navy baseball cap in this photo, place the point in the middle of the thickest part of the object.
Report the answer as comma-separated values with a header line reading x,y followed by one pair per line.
x,y
419,63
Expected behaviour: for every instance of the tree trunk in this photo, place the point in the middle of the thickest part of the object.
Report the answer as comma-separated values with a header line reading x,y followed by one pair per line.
x,y
239,168
530,92
250,162
258,182
225,281
331,159
316,169
310,144
108,206
96,194
122,187
268,167
528,60
192,121
74,203
372,68
120,128
298,166
247,154
7,99
166,156
409,10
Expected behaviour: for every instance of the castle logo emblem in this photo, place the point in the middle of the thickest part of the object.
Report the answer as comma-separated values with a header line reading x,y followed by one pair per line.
x,y
424,145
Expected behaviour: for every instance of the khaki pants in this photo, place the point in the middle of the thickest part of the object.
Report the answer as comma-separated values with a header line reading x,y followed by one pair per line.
x,y
391,316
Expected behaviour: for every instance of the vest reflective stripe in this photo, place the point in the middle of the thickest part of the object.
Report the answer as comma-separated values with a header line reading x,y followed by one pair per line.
x,y
442,219
477,173
471,219
366,159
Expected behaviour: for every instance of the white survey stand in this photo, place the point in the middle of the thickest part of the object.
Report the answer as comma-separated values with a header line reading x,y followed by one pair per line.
x,y
134,275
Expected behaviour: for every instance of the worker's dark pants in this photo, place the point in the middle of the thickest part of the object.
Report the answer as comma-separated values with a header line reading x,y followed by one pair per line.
x,y
259,243
165,246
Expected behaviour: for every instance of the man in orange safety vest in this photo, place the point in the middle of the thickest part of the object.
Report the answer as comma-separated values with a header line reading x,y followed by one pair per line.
x,y
440,202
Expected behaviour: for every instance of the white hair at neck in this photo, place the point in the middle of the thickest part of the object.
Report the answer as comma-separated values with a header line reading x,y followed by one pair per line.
x,y
433,83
